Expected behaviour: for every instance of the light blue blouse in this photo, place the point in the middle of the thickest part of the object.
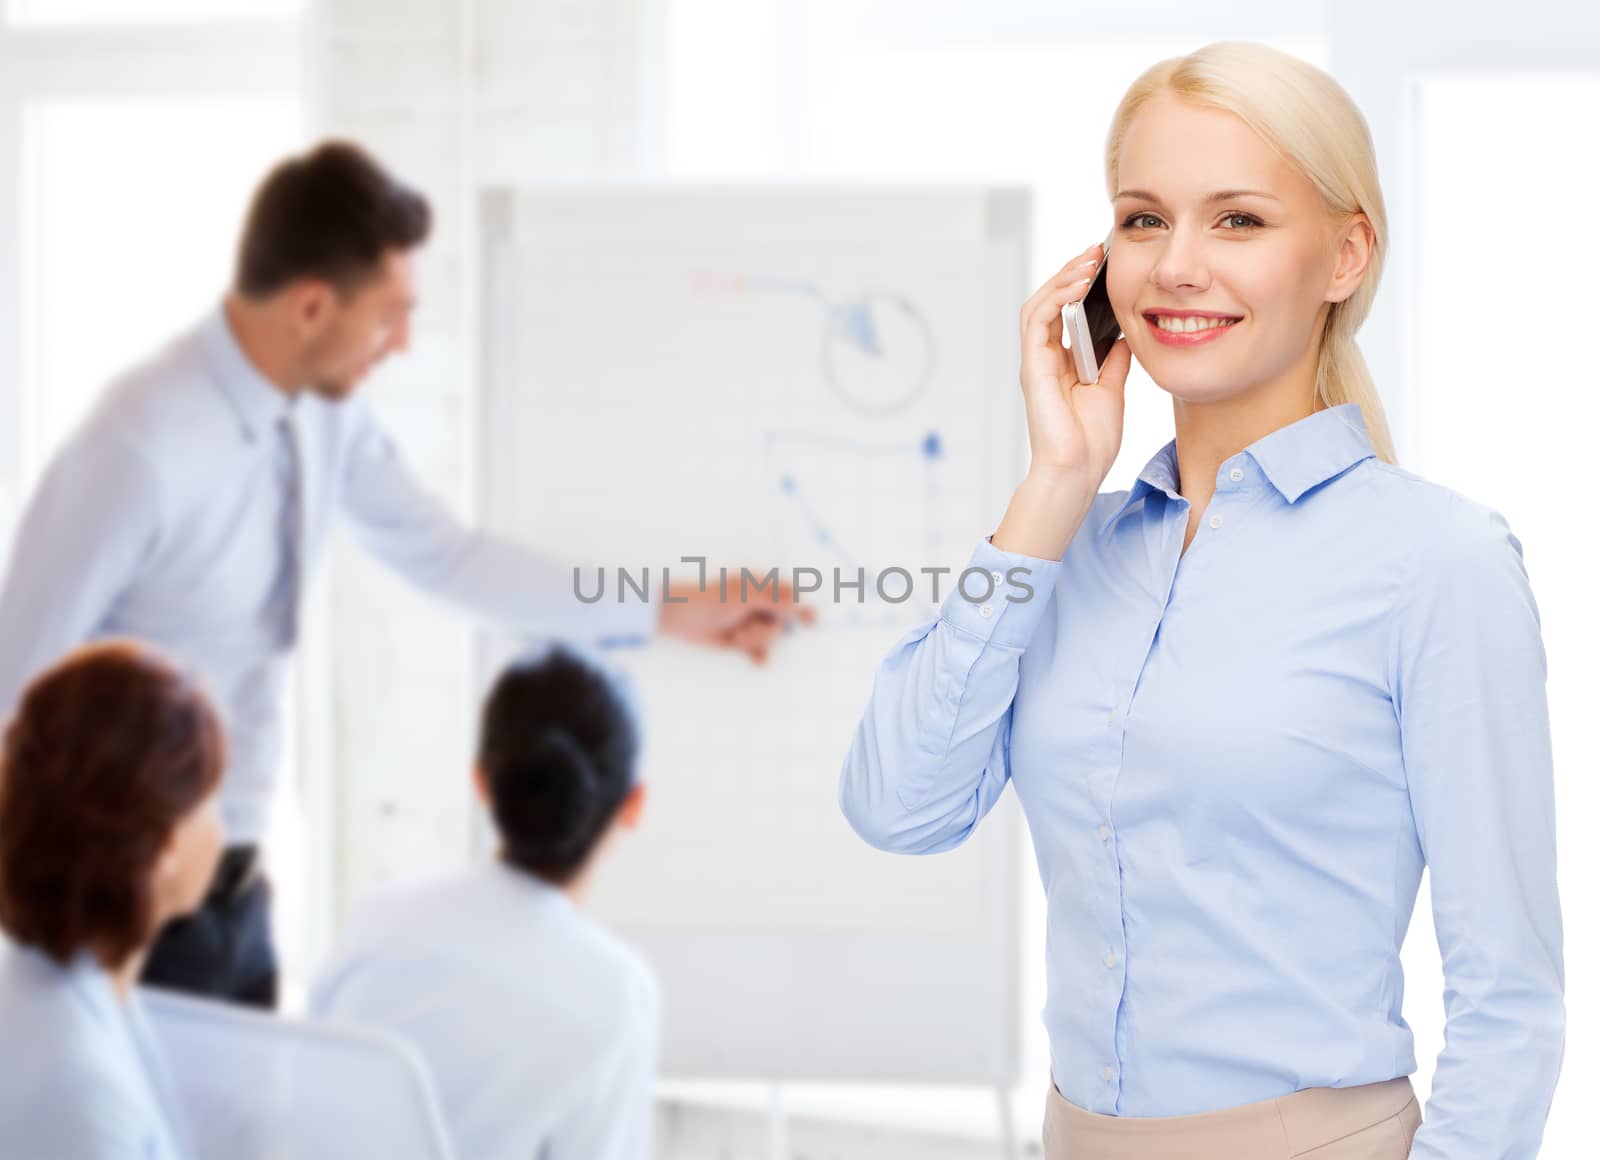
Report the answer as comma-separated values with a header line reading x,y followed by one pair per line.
x,y
81,1074
541,1029
1235,762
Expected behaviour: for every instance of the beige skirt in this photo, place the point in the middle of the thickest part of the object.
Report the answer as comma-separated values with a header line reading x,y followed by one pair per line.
x,y
1372,1122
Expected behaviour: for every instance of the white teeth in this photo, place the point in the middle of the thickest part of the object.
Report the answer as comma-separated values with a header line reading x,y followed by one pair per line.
x,y
1184,325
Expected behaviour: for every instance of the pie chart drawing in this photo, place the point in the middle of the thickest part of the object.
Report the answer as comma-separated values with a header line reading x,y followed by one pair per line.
x,y
876,350
877,353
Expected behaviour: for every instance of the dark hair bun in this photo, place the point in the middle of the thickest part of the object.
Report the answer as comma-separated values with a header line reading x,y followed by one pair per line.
x,y
546,811
557,750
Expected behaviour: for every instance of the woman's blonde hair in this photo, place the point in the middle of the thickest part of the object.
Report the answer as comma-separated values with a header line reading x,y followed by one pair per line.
x,y
1305,115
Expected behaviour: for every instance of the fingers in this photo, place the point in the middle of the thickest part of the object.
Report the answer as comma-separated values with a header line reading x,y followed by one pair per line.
x,y
1114,371
754,636
1044,325
1076,270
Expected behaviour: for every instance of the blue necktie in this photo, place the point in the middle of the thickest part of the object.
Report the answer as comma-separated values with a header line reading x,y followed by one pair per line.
x,y
284,601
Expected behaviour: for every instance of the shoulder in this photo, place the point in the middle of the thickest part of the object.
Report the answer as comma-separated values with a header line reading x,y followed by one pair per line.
x,y
1452,537
55,1049
159,413
37,995
625,975
602,980
387,928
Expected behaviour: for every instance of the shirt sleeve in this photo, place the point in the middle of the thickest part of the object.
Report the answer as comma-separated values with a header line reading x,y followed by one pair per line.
x,y
1469,685
411,530
94,517
616,1119
930,756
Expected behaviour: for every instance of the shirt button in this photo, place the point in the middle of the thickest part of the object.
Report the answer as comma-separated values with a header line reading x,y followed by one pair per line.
x,y
1105,833
1106,1073
1110,960
997,577
1236,474
1216,521
986,611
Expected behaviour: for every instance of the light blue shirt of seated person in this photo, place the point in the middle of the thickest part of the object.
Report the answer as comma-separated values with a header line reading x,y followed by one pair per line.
x,y
540,1028
81,1074
1235,762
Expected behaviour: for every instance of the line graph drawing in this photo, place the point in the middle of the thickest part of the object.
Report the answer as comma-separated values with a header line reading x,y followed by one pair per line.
x,y
828,490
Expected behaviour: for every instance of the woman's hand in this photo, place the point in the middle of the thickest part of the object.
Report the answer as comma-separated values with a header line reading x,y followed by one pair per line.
x,y
1074,429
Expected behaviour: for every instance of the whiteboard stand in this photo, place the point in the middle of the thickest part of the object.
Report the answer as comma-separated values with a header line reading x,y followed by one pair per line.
x,y
1008,1129
777,1124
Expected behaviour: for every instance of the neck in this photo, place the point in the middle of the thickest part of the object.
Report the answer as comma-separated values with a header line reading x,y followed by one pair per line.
x,y
1209,434
260,335
576,888
125,976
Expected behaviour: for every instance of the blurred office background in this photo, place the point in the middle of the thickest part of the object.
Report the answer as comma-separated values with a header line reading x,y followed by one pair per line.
x,y
131,132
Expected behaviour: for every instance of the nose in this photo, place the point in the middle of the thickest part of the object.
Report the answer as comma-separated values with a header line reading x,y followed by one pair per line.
x,y
1181,265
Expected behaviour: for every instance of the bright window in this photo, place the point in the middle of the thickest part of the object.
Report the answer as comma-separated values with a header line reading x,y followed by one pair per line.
x,y
131,212
142,11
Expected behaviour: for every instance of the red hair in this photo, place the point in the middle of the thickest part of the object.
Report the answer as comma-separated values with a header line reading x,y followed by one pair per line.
x,y
107,752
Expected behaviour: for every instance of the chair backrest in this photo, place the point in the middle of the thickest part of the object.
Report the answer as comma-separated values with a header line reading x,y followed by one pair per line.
x,y
262,1087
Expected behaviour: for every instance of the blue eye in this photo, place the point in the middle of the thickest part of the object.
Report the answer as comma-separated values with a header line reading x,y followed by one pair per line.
x,y
1249,220
1128,224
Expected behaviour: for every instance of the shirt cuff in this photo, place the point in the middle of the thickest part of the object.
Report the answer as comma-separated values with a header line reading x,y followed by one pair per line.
x,y
629,624
1005,605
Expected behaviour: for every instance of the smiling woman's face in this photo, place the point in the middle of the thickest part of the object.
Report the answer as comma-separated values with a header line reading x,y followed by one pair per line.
x,y
1269,258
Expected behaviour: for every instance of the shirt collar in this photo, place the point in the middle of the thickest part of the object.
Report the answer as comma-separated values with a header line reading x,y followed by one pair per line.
x,y
258,404
1294,458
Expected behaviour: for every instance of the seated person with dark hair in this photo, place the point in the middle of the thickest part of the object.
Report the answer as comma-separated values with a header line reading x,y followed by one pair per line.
x,y
540,1028
108,828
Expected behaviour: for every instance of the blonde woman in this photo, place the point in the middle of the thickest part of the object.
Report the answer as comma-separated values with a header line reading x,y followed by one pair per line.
x,y
1245,702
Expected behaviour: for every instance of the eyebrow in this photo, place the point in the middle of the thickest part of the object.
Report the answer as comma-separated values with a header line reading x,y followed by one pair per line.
x,y
1220,195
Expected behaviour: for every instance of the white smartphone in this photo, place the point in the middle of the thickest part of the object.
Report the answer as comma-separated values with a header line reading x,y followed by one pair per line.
x,y
1088,326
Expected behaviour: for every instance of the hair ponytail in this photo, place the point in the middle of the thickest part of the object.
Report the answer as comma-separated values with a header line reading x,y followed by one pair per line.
x,y
549,820
557,751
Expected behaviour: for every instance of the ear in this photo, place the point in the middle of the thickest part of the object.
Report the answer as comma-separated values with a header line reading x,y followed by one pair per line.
x,y
311,302
632,807
480,786
166,867
1356,248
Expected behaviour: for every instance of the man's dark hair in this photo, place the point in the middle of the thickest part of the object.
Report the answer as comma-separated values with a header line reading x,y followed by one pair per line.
x,y
332,214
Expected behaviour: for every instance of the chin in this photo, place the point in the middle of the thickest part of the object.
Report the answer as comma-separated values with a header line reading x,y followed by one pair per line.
x,y
335,391
1193,385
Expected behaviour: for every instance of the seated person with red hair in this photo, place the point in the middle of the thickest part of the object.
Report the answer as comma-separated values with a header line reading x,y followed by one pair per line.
x,y
108,828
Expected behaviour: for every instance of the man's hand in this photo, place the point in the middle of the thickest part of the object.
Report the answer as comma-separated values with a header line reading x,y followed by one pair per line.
x,y
749,620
